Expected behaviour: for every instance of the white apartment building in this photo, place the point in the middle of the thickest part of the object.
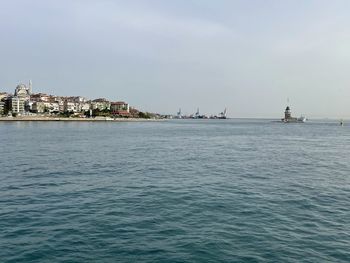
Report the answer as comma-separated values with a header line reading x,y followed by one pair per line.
x,y
17,105
42,107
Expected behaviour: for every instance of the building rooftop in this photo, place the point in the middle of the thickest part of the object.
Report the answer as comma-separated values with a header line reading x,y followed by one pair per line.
x,y
118,102
100,100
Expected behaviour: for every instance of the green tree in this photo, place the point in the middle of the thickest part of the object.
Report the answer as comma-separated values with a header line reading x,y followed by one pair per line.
x,y
144,115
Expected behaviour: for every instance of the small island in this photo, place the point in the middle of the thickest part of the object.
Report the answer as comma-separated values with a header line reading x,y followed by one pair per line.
x,y
289,119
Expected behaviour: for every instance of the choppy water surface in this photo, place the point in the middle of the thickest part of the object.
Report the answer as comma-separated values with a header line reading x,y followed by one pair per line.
x,y
175,191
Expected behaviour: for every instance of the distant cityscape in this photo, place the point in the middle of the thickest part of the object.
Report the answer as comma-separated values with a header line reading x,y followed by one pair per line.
x,y
24,102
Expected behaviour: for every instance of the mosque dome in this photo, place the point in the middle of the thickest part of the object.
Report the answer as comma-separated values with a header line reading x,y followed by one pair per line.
x,y
21,90
21,86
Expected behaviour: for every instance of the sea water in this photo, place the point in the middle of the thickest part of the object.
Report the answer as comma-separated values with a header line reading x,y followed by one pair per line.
x,y
174,191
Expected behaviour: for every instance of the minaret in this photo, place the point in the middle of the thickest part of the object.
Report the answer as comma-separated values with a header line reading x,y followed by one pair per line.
x,y
30,87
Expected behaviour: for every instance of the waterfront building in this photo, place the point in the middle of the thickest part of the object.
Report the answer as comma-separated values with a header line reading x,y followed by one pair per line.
x,y
120,108
2,107
100,104
70,106
82,107
28,106
4,102
17,105
73,104
38,107
54,107
7,102
61,105
45,107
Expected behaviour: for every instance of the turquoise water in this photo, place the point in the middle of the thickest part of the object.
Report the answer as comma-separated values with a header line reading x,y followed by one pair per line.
x,y
175,191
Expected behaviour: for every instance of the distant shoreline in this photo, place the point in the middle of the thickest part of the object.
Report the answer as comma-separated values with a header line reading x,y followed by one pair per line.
x,y
42,119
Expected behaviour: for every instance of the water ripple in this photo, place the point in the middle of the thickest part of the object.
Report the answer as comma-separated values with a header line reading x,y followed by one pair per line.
x,y
179,191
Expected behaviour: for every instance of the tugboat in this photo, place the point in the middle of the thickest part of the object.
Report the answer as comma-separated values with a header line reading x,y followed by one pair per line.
x,y
289,119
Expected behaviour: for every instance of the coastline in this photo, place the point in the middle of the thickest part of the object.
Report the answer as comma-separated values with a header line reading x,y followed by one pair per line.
x,y
42,119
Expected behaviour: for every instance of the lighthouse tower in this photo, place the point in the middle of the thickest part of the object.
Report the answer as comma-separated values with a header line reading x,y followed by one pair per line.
x,y
287,113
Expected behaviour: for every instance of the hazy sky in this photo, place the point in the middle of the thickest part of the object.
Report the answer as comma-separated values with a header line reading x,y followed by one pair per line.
x,y
159,55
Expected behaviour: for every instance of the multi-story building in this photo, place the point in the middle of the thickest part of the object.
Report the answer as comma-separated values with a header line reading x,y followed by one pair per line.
x,y
40,97
17,105
82,107
75,106
45,107
69,106
4,102
120,108
2,107
61,105
100,104
54,107
38,107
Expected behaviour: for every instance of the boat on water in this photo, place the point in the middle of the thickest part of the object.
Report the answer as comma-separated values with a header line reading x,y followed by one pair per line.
x,y
179,114
222,115
302,119
289,119
198,115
